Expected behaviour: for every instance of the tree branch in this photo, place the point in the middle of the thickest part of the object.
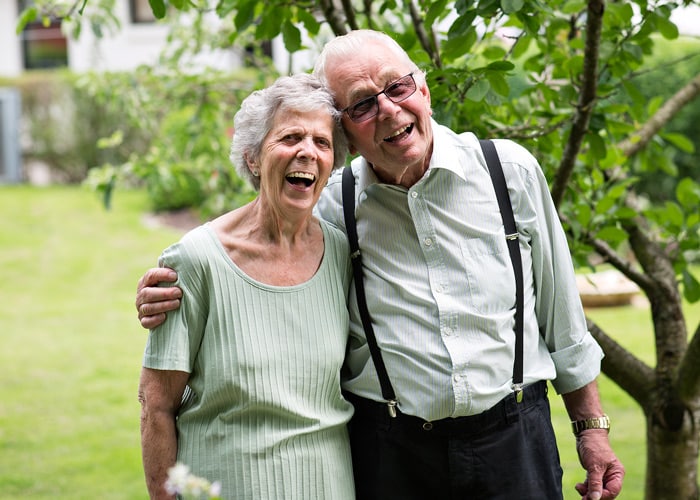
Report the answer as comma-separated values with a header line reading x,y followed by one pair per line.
x,y
586,100
633,375
349,14
333,18
689,370
426,41
641,138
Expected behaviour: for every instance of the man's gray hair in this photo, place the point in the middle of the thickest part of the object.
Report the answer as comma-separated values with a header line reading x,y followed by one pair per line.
x,y
344,46
254,120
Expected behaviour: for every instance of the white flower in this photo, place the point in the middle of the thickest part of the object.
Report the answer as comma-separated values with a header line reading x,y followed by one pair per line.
x,y
181,482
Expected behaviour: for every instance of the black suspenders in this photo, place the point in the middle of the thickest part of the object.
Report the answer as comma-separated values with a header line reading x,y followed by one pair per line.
x,y
494,166
356,258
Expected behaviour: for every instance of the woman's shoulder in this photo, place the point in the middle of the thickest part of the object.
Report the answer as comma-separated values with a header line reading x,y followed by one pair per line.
x,y
334,235
194,246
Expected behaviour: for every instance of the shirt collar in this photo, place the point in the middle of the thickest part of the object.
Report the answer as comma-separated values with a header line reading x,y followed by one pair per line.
x,y
448,154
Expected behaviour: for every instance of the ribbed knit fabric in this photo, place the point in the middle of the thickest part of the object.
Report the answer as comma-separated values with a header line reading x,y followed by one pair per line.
x,y
265,416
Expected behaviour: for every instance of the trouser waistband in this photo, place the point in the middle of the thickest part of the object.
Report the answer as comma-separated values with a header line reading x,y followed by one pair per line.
x,y
503,412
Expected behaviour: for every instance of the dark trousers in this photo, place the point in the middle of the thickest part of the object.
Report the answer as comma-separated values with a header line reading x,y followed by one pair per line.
x,y
506,453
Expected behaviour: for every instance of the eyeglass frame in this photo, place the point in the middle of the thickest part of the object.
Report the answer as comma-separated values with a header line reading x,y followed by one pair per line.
x,y
375,97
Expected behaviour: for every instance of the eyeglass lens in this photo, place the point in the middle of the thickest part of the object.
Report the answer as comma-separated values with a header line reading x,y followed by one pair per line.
x,y
396,91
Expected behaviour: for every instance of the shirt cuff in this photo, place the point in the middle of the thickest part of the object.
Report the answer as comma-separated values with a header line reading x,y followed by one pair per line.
x,y
577,365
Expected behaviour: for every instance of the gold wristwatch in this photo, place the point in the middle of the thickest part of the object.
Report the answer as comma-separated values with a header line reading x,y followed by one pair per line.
x,y
591,423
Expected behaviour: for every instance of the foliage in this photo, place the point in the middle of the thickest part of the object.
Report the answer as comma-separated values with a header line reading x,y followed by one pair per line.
x,y
61,125
188,119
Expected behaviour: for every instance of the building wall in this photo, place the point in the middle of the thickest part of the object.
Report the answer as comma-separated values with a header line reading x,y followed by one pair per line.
x,y
128,47
10,48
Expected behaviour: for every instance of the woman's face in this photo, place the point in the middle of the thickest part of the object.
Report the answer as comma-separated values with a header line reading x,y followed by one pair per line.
x,y
296,160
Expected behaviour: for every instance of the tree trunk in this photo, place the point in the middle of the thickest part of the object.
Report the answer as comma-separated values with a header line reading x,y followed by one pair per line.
x,y
672,460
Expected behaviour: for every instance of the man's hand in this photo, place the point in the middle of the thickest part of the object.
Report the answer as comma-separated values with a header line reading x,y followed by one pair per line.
x,y
604,472
152,301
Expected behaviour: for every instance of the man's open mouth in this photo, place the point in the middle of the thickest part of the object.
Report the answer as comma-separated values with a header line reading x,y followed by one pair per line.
x,y
399,133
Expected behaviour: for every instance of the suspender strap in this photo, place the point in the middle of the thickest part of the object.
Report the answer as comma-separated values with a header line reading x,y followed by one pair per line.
x,y
504,205
499,184
356,259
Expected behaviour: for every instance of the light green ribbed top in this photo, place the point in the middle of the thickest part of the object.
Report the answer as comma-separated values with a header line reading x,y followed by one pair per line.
x,y
265,415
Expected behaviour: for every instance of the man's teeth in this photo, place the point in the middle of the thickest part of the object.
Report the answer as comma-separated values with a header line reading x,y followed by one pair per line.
x,y
397,133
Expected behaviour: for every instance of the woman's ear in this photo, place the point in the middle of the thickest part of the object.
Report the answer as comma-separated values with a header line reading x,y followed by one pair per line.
x,y
252,166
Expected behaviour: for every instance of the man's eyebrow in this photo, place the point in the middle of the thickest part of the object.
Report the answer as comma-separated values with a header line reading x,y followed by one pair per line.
x,y
359,94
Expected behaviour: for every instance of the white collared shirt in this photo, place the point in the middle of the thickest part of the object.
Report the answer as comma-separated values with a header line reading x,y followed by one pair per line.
x,y
440,285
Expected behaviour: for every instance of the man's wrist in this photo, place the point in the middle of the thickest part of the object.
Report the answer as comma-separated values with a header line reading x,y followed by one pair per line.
x,y
602,422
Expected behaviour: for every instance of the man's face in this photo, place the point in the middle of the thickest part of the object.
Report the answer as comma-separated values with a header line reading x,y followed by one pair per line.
x,y
397,141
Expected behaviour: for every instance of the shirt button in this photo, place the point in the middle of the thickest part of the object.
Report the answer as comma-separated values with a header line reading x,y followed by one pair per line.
x,y
414,194
448,331
428,242
456,377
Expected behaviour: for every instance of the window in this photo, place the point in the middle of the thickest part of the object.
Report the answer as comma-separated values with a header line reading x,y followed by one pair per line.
x,y
43,46
141,11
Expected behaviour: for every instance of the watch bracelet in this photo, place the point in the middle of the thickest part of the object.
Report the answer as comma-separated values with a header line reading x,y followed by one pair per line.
x,y
602,422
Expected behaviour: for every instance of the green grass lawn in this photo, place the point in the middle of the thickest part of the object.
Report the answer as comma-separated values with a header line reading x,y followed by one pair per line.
x,y
71,344
71,350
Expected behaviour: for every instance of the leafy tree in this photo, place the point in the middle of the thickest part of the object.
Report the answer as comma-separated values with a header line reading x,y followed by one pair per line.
x,y
559,76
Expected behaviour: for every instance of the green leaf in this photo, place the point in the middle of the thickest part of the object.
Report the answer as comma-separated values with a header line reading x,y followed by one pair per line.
x,y
688,193
583,214
245,15
691,287
501,66
291,36
511,6
158,8
498,83
612,234
462,25
597,145
667,29
477,91
673,214
680,141
435,11
456,47
27,17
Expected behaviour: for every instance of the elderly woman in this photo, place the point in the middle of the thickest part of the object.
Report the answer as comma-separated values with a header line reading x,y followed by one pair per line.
x,y
242,383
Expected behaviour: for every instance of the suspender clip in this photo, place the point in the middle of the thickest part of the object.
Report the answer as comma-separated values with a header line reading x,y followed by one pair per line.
x,y
518,390
355,254
391,406
513,236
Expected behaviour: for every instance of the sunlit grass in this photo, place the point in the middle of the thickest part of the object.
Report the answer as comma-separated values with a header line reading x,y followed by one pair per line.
x,y
71,345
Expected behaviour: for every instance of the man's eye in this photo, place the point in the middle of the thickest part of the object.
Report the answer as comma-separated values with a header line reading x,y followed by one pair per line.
x,y
364,105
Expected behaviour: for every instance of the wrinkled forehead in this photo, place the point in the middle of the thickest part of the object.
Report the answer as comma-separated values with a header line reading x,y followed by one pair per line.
x,y
363,73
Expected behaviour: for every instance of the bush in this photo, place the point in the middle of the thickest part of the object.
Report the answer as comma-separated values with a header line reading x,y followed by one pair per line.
x,y
61,125
188,120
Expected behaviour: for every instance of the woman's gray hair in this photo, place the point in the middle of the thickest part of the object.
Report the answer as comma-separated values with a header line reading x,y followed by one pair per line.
x,y
253,121
345,46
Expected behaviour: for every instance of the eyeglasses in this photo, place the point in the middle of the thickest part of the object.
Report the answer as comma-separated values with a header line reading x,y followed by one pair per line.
x,y
397,91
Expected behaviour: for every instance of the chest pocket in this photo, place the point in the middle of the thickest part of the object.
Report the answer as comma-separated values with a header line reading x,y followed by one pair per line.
x,y
490,278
